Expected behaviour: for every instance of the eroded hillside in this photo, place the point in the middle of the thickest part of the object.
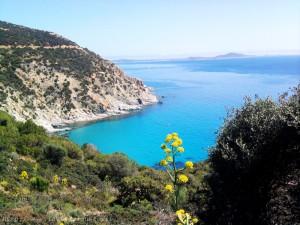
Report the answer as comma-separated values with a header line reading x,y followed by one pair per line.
x,y
52,80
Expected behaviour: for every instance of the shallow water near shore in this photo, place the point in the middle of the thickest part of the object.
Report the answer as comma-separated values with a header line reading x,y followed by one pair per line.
x,y
196,97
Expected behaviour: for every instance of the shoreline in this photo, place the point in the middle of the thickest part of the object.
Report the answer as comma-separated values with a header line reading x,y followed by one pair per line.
x,y
66,126
53,122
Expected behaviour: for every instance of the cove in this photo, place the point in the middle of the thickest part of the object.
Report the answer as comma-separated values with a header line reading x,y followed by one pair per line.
x,y
196,96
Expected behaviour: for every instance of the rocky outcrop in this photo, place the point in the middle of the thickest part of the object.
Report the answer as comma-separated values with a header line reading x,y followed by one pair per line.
x,y
53,81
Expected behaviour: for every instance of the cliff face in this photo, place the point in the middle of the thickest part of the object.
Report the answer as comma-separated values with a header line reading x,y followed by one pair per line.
x,y
52,80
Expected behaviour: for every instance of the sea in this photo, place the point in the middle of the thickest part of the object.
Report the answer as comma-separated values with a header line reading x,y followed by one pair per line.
x,y
196,96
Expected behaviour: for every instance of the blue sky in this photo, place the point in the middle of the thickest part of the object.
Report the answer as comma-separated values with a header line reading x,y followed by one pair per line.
x,y
165,28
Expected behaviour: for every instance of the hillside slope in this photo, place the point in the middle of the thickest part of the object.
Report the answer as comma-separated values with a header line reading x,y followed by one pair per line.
x,y
54,81
47,179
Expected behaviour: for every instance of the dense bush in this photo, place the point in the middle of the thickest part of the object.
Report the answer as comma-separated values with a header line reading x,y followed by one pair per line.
x,y
55,154
256,165
119,166
115,166
135,189
39,183
29,127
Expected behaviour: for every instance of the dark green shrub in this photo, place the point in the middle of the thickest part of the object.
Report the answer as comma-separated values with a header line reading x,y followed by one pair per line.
x,y
118,166
29,127
138,188
256,165
55,154
3,122
73,150
74,153
39,183
131,216
3,162
30,144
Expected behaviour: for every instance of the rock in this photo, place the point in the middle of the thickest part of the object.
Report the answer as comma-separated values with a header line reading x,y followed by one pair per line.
x,y
140,101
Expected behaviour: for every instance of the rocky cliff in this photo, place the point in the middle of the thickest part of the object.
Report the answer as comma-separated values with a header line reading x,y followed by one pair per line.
x,y
54,81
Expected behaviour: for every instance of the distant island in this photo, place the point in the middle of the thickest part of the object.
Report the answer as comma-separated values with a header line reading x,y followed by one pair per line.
x,y
227,55
231,55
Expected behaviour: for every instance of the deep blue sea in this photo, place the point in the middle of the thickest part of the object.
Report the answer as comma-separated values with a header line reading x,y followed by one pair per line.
x,y
197,95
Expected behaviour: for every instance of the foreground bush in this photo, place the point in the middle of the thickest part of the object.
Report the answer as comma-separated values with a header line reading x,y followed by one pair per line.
x,y
256,165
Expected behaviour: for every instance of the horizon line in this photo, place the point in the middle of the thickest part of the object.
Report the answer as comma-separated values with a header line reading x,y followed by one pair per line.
x,y
206,56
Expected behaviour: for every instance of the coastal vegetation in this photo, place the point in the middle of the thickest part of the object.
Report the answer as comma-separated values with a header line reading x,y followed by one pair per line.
x,y
48,179
251,176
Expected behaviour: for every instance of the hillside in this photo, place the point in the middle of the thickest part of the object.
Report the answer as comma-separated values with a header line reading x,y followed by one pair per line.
x,y
53,81
47,179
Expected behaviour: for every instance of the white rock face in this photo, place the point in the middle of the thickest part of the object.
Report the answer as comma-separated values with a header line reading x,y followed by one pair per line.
x,y
59,99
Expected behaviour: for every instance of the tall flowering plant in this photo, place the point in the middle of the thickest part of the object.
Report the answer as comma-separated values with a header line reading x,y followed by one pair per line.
x,y
172,147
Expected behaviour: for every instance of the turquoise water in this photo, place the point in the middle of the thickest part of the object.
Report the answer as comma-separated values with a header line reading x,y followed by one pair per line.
x,y
197,95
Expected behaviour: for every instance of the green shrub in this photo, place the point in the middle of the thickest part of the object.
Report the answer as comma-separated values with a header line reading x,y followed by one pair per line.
x,y
55,154
255,165
29,127
30,144
138,188
72,150
90,151
39,183
74,153
119,166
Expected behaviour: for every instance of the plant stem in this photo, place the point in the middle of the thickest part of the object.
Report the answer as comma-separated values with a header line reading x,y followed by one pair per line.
x,y
175,179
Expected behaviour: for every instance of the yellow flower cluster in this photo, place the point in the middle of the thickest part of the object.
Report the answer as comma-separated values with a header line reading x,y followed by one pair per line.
x,y
163,162
55,179
169,188
175,138
183,178
180,149
180,212
177,142
4,184
189,165
185,218
24,175
174,142
168,138
167,150
169,158
64,182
